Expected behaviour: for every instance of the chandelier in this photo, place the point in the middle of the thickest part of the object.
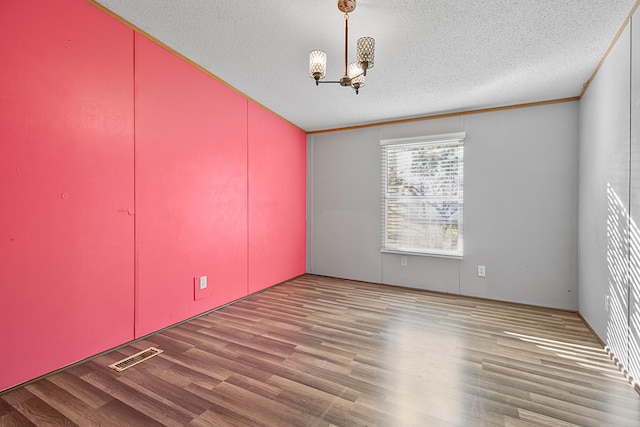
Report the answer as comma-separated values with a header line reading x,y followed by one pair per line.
x,y
355,72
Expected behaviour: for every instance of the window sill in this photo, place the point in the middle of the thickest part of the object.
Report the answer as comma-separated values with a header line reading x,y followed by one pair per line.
x,y
434,255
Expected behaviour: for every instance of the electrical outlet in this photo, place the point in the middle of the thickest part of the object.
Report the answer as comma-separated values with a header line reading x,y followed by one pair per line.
x,y
606,303
481,271
201,288
403,261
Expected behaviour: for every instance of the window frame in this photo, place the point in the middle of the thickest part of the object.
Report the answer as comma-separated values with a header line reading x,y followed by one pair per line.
x,y
449,138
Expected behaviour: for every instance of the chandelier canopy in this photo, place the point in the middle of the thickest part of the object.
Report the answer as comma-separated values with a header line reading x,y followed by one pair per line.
x,y
354,73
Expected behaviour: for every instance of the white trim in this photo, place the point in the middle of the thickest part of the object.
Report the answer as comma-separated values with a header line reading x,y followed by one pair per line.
x,y
445,137
427,254
421,142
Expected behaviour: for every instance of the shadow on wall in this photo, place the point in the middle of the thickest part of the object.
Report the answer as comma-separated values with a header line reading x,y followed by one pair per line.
x,y
623,296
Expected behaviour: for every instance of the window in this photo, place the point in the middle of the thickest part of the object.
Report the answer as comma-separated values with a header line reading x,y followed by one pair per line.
x,y
422,195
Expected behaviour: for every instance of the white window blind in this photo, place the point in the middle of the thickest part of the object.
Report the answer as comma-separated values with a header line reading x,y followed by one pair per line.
x,y
422,195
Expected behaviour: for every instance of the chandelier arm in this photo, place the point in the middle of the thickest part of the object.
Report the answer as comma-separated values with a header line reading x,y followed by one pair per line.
x,y
326,81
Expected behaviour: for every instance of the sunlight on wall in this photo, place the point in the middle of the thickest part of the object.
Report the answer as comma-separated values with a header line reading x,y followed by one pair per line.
x,y
634,302
623,264
618,268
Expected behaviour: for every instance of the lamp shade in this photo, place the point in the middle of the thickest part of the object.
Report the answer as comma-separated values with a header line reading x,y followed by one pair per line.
x,y
354,70
317,64
366,51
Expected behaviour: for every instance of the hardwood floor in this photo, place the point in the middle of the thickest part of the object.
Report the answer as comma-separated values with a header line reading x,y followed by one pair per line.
x,y
316,351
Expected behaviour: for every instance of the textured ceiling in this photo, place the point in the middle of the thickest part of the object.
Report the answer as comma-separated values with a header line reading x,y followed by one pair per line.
x,y
432,56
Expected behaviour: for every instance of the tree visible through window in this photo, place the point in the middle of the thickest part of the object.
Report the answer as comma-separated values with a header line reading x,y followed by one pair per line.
x,y
422,194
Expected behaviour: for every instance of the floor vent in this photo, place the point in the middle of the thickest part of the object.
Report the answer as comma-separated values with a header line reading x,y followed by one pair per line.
x,y
135,359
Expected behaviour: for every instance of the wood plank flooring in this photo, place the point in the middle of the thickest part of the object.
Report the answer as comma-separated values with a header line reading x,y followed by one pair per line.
x,y
316,351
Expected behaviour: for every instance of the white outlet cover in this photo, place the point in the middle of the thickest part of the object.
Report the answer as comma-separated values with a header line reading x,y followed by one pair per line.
x,y
203,282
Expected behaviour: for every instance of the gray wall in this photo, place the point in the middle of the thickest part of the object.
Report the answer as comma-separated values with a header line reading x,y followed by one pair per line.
x,y
609,206
521,171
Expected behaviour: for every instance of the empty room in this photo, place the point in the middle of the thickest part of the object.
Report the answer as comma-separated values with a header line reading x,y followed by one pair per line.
x,y
320,213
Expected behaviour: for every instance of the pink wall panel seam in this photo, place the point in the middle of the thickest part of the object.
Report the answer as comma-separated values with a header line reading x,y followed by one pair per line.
x,y
135,198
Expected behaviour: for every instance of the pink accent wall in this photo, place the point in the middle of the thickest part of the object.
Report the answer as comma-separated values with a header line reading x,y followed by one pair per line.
x,y
66,180
277,200
191,189
125,174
